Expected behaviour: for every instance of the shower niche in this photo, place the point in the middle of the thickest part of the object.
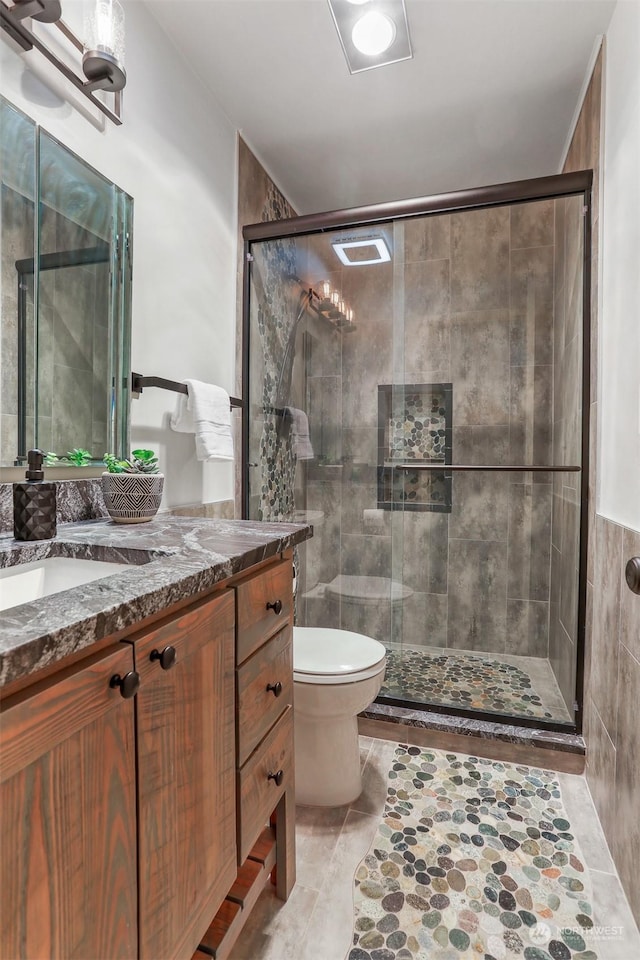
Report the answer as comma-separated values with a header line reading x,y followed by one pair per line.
x,y
414,425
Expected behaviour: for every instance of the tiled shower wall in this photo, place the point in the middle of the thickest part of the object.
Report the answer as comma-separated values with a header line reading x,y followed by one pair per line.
x,y
475,293
272,477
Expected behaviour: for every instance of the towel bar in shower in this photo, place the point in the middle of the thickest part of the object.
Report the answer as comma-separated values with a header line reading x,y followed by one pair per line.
x,y
522,468
138,382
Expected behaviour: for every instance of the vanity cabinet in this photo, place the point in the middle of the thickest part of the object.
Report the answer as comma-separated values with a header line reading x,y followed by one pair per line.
x,y
68,815
146,791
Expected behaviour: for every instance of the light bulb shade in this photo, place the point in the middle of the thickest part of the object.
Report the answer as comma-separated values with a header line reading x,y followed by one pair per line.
x,y
103,59
104,28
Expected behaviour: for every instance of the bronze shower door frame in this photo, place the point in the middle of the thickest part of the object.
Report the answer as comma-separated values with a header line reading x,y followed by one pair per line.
x,y
502,194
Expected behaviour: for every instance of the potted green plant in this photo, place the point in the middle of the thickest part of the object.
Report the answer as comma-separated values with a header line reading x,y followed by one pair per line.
x,y
132,489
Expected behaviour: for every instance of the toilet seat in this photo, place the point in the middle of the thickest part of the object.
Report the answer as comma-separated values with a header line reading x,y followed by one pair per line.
x,y
324,655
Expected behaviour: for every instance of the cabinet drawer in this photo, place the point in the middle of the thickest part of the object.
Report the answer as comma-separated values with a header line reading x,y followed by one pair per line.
x,y
259,707
257,793
256,621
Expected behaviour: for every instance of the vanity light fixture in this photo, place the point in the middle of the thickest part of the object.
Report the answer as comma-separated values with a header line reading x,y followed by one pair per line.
x,y
329,302
376,245
102,50
372,32
103,58
46,11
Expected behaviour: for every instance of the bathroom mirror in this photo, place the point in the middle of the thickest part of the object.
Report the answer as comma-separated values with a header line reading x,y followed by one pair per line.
x,y
66,299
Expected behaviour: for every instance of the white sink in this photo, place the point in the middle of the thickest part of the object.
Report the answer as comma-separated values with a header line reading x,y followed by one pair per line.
x,y
25,582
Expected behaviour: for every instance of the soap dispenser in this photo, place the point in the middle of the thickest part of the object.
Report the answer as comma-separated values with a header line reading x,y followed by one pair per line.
x,y
34,503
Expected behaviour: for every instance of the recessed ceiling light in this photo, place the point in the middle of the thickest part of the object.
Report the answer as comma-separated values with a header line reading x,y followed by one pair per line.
x,y
375,244
373,33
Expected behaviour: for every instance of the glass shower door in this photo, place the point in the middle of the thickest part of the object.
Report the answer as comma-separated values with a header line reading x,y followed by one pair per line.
x,y
437,362
491,336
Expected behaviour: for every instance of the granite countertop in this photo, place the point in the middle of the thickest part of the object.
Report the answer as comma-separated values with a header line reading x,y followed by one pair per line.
x,y
171,559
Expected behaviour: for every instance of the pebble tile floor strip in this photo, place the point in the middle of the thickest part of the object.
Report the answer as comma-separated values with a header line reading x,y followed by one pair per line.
x,y
473,858
316,923
476,683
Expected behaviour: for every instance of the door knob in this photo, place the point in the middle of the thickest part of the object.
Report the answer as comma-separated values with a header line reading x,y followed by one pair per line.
x,y
632,574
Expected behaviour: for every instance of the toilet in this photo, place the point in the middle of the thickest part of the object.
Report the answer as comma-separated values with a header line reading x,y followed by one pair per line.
x,y
336,674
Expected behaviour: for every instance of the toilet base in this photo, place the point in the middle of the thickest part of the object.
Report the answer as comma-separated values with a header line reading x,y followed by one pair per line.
x,y
327,761
326,704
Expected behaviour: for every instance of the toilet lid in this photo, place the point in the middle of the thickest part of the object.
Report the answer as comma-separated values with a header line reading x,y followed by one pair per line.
x,y
322,650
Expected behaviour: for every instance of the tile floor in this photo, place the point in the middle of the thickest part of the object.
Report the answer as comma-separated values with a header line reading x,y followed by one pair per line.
x,y
316,922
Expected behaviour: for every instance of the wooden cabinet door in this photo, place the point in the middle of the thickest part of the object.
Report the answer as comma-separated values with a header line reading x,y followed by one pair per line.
x,y
186,788
68,816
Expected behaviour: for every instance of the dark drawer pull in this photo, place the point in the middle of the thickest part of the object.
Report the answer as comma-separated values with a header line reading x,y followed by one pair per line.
x,y
167,657
128,684
278,777
276,606
276,688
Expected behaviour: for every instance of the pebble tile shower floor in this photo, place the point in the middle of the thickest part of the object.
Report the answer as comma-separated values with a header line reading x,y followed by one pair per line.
x,y
317,921
515,686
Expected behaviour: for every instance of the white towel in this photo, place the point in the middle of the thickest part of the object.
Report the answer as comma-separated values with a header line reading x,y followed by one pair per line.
x,y
300,440
206,411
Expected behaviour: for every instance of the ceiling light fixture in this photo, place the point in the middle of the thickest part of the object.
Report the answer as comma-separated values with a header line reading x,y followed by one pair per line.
x,y
102,50
372,32
375,244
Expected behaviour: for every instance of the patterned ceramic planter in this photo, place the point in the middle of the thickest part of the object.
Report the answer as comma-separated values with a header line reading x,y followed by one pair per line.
x,y
132,497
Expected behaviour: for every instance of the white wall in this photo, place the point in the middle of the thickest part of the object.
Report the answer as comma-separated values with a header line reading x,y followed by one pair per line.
x,y
619,426
176,155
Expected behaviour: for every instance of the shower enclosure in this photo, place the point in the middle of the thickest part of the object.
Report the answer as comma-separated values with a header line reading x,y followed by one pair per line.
x,y
417,378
